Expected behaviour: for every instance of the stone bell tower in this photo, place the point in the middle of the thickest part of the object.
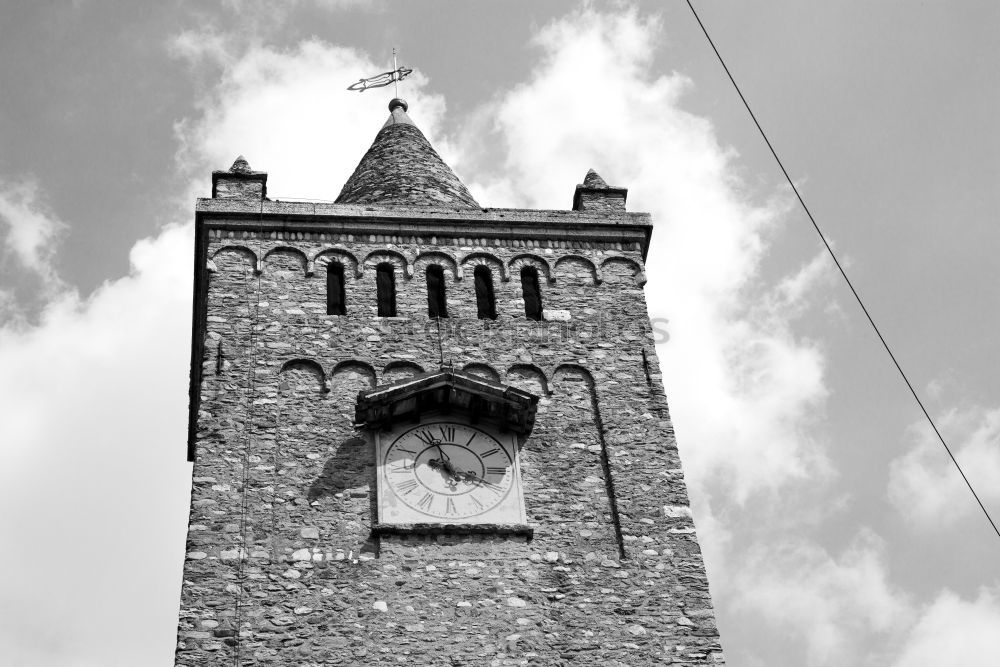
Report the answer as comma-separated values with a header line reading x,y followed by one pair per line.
x,y
430,433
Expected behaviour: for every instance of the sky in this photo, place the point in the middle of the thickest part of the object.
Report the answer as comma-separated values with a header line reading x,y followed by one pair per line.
x,y
834,527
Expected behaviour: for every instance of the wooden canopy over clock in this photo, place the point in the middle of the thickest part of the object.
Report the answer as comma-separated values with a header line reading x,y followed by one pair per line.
x,y
444,391
447,453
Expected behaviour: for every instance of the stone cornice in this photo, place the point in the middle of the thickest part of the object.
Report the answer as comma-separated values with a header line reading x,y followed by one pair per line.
x,y
322,217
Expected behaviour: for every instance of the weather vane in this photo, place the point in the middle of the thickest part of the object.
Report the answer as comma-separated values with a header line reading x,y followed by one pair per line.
x,y
383,79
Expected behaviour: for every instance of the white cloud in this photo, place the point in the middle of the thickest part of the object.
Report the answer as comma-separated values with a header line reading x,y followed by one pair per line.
x,y
247,24
31,228
93,466
207,43
29,236
797,292
924,485
934,389
952,632
840,607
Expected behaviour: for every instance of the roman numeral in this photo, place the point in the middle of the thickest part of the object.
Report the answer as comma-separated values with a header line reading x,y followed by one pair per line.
x,y
426,437
471,439
475,501
490,485
407,486
496,471
425,502
448,433
401,468
449,507
408,451
493,451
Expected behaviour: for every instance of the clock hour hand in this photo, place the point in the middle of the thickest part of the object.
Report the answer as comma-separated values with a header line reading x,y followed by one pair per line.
x,y
445,465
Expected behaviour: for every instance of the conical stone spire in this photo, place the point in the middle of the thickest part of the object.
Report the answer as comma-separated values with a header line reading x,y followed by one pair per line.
x,y
402,168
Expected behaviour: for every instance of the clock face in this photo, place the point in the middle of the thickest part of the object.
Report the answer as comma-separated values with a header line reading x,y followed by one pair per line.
x,y
446,471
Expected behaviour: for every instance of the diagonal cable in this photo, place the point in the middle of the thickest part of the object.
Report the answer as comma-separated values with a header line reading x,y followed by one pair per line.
x,y
843,273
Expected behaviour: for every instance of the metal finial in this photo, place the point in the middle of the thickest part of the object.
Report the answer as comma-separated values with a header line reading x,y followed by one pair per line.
x,y
384,79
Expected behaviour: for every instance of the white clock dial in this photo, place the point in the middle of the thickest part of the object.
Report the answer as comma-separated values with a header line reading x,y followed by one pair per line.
x,y
447,470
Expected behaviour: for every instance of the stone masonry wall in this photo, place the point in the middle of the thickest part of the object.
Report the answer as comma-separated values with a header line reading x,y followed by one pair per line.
x,y
283,495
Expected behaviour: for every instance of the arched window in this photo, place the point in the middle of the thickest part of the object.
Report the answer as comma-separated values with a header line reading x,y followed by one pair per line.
x,y
385,283
531,292
486,302
437,305
336,304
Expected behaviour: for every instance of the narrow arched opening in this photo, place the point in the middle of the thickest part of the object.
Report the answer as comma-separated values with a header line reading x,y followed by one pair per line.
x,y
532,293
336,297
385,285
486,303
437,304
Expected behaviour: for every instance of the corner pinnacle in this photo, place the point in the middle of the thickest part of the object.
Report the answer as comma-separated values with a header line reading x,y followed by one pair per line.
x,y
240,166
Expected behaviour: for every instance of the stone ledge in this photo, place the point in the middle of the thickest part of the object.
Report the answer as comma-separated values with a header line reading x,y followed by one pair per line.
x,y
494,529
320,211
636,228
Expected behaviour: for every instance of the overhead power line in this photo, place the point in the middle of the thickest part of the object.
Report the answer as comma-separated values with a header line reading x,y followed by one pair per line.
x,y
843,273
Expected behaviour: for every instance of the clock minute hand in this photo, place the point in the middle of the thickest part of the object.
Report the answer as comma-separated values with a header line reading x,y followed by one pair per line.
x,y
471,477
468,476
444,457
